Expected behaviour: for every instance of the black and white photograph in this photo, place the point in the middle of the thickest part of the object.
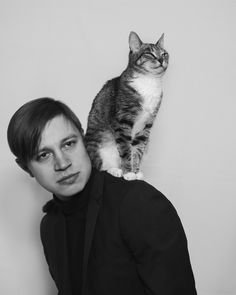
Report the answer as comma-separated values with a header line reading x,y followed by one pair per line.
x,y
118,147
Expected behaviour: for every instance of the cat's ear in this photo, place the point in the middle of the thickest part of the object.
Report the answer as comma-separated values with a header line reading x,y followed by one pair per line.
x,y
134,42
160,42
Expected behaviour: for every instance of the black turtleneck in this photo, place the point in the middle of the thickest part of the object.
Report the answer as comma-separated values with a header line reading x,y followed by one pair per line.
x,y
75,211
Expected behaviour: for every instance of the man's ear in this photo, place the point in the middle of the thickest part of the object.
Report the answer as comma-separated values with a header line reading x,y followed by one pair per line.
x,y
23,166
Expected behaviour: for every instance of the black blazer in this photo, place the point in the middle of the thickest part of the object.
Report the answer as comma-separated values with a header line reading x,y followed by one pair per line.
x,y
134,242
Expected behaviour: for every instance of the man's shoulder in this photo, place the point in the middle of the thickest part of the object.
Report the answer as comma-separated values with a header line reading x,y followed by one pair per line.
x,y
51,208
135,194
133,188
51,216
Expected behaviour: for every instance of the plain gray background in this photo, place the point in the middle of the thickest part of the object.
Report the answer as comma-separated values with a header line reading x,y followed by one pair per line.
x,y
67,50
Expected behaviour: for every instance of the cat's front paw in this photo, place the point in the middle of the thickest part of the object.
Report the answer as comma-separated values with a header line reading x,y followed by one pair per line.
x,y
117,172
139,175
129,176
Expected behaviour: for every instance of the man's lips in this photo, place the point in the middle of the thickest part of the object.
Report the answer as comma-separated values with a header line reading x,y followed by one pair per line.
x,y
69,179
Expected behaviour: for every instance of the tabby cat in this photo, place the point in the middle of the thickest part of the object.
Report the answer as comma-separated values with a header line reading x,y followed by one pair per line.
x,y
124,110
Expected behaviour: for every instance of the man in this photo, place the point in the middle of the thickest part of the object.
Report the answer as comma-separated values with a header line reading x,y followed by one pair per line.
x,y
102,235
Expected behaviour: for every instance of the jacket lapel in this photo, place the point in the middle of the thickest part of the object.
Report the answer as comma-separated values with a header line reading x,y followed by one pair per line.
x,y
92,214
62,256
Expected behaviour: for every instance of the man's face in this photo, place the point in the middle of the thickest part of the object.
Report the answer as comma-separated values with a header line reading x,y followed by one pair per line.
x,y
62,165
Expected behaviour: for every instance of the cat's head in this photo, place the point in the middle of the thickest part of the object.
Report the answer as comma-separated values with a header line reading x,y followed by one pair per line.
x,y
146,57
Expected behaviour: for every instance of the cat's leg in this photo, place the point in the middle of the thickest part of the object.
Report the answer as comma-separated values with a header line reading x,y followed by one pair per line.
x,y
122,139
129,173
136,158
102,151
109,155
133,164
124,148
92,147
130,153
129,158
139,144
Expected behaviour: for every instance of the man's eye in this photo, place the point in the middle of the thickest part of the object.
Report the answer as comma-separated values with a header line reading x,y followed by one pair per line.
x,y
70,143
42,156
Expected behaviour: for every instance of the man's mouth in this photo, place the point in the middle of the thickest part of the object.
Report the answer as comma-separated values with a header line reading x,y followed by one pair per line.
x,y
69,179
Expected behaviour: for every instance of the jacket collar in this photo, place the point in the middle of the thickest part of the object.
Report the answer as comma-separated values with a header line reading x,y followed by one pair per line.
x,y
92,214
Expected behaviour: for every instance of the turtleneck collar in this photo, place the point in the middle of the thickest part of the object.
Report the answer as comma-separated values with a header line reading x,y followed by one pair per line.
x,y
93,189
78,201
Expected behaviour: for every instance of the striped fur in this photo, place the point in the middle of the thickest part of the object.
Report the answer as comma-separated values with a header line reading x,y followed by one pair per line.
x,y
124,111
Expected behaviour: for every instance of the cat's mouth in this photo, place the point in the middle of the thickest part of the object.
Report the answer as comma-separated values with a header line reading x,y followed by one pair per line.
x,y
159,69
161,66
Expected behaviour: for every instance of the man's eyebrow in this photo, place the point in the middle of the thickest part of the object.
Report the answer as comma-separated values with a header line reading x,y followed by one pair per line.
x,y
71,136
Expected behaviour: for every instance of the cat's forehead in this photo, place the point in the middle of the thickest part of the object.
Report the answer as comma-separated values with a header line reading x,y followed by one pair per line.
x,y
149,47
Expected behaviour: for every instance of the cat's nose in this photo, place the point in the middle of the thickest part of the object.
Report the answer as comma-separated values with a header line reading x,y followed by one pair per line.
x,y
161,60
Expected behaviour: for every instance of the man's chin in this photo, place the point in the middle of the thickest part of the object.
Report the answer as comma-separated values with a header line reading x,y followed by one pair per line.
x,y
67,193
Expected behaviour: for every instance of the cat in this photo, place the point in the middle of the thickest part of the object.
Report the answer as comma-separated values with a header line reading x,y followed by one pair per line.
x,y
124,110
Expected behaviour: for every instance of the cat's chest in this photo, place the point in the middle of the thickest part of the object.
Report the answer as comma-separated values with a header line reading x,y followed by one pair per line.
x,y
150,91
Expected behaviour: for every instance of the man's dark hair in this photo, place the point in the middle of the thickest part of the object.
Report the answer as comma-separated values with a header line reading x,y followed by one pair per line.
x,y
26,125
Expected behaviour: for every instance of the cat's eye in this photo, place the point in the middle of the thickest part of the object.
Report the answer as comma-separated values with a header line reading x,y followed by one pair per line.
x,y
149,55
165,54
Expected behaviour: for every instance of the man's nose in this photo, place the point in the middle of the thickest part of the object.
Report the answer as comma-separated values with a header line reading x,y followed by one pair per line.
x,y
61,162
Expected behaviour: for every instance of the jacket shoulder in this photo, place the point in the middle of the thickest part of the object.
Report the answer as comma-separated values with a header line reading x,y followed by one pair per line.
x,y
51,215
144,201
135,190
